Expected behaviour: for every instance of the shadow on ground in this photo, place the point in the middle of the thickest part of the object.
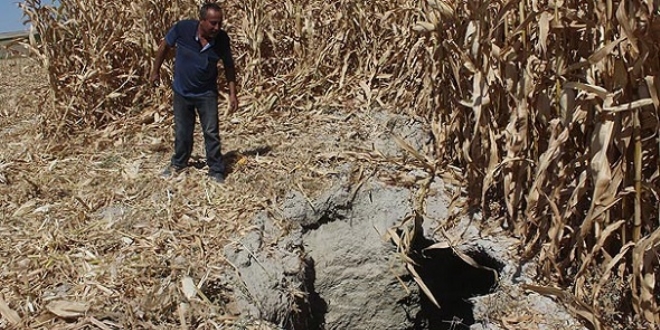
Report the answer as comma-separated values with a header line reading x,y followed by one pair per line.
x,y
452,282
232,158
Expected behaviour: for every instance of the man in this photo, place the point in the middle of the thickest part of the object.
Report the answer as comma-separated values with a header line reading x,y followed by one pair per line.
x,y
199,44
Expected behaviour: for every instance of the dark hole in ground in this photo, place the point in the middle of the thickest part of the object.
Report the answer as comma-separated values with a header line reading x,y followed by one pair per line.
x,y
452,282
318,306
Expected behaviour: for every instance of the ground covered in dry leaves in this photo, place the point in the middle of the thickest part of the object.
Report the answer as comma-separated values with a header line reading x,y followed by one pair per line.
x,y
92,238
88,220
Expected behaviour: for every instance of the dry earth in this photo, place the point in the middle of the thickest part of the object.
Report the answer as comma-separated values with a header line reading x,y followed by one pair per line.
x,y
91,237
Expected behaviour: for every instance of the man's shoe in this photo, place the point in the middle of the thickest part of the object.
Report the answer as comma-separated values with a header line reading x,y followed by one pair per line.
x,y
217,177
170,170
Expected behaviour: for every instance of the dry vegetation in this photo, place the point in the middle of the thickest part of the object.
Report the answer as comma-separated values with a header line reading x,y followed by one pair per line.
x,y
548,108
553,115
86,218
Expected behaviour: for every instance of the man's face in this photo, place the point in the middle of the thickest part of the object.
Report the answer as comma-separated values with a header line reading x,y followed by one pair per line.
x,y
212,24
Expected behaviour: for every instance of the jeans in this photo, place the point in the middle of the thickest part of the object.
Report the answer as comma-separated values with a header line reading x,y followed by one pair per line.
x,y
184,125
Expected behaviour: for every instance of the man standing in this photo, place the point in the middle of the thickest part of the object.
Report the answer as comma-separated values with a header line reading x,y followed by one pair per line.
x,y
199,44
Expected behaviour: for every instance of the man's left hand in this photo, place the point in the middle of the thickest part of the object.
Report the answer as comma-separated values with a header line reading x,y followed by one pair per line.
x,y
233,103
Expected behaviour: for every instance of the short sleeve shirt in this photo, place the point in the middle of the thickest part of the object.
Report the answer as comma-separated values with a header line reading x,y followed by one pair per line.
x,y
196,67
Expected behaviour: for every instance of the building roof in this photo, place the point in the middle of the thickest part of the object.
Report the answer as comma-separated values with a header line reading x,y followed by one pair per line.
x,y
14,35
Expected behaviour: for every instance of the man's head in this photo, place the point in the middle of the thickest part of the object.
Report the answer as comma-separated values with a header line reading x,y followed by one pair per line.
x,y
210,19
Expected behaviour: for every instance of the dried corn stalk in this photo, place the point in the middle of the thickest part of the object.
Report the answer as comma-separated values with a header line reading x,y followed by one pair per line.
x,y
550,127
550,107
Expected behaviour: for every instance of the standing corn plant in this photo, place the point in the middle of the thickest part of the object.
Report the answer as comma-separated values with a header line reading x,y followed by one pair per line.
x,y
556,116
97,56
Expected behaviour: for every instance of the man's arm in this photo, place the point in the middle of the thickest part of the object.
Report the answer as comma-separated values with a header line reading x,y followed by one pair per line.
x,y
230,75
230,71
233,99
163,49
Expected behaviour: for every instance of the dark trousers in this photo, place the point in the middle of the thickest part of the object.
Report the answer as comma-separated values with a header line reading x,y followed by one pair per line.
x,y
184,125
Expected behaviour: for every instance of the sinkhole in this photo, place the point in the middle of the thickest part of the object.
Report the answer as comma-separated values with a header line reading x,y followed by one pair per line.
x,y
452,281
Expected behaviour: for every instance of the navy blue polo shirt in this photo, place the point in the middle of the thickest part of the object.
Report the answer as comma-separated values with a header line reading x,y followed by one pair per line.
x,y
196,68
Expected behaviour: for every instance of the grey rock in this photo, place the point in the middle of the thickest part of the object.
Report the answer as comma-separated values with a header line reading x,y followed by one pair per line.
x,y
272,277
356,269
334,269
413,132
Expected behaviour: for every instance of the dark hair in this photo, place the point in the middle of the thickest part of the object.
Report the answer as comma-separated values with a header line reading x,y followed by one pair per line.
x,y
205,8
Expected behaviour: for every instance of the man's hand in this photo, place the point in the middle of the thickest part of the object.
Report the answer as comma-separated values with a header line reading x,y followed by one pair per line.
x,y
233,103
154,79
233,99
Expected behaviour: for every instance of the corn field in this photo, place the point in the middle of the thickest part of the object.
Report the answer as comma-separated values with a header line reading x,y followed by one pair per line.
x,y
548,108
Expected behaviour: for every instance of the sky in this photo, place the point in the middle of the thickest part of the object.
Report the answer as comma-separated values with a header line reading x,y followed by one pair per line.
x,y
11,17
